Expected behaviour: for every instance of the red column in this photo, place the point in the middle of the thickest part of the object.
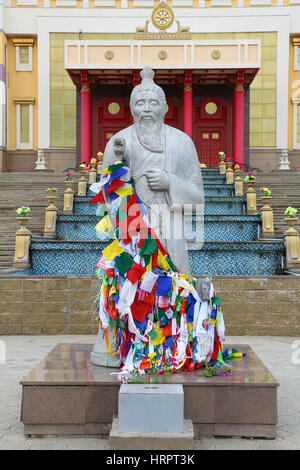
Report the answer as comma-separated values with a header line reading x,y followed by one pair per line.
x,y
188,104
238,122
86,120
136,80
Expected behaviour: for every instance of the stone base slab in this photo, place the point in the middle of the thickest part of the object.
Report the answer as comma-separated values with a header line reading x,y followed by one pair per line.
x,y
66,394
152,440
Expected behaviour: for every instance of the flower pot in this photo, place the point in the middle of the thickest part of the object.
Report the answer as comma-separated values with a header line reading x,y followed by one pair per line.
x,y
51,198
291,221
23,221
266,199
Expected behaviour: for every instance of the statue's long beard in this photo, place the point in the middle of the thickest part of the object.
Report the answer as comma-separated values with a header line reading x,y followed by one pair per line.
x,y
149,135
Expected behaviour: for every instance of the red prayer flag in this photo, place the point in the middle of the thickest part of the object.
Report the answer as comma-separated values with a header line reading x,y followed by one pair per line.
x,y
135,273
98,198
115,184
139,309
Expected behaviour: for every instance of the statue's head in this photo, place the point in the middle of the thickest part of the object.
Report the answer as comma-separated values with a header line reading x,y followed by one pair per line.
x,y
148,100
119,147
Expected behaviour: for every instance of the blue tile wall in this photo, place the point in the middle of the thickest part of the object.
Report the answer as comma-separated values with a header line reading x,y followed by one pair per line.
x,y
223,258
231,245
216,228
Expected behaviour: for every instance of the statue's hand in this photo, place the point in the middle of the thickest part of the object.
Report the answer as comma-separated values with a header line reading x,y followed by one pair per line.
x,y
158,180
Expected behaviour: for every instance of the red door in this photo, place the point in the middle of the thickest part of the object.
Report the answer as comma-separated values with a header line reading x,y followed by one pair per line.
x,y
212,129
210,143
110,116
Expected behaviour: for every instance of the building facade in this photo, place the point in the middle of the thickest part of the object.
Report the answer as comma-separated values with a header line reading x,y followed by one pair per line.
x,y
230,70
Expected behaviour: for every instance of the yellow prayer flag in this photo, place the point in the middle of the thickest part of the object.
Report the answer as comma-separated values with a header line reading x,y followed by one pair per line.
x,y
159,339
185,285
149,265
123,192
162,262
104,224
106,171
112,250
113,290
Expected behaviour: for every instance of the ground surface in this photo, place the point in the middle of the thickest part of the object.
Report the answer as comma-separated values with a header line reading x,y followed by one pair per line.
x,y
279,354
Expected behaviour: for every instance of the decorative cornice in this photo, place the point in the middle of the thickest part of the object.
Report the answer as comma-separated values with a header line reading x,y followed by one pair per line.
x,y
27,100
162,36
23,42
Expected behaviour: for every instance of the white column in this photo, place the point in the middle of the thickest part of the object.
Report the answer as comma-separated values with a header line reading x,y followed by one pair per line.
x,y
43,86
296,102
282,99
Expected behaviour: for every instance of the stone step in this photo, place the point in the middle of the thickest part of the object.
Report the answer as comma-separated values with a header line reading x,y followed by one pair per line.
x,y
210,189
213,205
218,190
212,258
216,228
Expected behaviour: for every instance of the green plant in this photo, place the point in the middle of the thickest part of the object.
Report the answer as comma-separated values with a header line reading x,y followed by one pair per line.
x,y
266,191
23,211
68,177
51,190
291,212
249,177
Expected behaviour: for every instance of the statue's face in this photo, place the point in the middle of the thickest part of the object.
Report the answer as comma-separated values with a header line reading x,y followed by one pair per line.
x,y
119,146
147,107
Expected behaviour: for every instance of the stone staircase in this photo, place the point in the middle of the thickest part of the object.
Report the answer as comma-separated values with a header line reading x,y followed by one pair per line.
x,y
231,237
285,187
28,189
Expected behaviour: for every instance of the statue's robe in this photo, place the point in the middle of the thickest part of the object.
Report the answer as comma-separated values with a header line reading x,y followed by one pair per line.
x,y
180,161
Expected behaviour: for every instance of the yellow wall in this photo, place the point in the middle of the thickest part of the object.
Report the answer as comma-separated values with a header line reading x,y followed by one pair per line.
x,y
21,85
2,48
294,87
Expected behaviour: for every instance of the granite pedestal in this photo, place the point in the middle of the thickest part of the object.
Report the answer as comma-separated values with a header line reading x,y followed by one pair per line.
x,y
66,394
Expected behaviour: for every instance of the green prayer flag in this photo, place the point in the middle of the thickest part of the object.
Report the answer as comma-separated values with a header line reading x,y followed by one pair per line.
x,y
105,280
216,300
220,357
149,247
122,323
112,323
116,166
123,263
152,334
160,312
172,265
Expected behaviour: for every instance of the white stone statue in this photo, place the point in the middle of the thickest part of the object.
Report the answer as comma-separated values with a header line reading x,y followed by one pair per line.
x,y
164,166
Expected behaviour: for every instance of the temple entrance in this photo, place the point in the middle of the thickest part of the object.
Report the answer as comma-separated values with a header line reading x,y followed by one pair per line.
x,y
212,130
212,123
111,115
210,142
